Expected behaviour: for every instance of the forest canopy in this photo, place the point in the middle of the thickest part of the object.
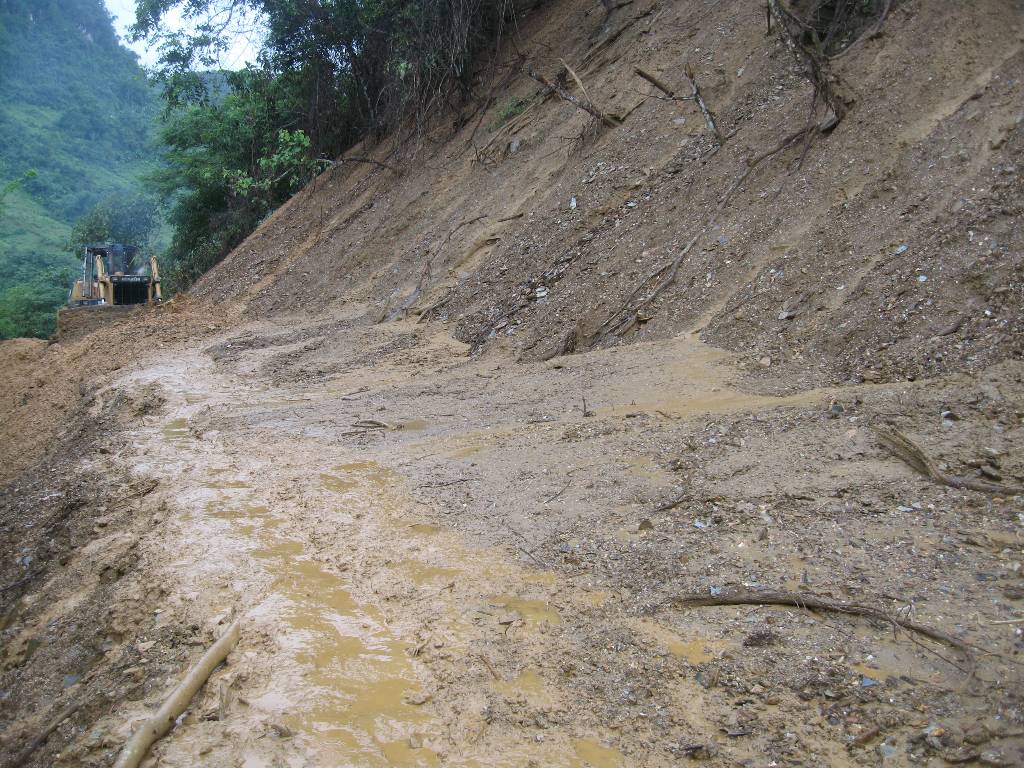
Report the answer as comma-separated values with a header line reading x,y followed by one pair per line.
x,y
329,73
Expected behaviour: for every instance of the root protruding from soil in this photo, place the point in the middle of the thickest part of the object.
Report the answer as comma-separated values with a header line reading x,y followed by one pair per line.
x,y
818,603
156,727
905,449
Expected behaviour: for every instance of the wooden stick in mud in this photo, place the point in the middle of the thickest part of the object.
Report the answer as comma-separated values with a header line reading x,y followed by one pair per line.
x,y
817,603
157,726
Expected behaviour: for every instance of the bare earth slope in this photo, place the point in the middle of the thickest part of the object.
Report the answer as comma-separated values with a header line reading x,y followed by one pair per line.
x,y
429,434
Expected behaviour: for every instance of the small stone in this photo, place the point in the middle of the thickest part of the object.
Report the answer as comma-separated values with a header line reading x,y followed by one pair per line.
x,y
418,698
990,473
280,730
887,750
765,361
835,410
994,757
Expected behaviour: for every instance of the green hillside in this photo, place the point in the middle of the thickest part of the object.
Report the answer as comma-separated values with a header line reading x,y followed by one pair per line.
x,y
75,108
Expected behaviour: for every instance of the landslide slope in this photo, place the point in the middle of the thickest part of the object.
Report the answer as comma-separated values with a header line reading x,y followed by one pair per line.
x,y
887,249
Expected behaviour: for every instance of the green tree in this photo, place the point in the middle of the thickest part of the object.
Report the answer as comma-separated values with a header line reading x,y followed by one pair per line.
x,y
328,75
131,220
10,186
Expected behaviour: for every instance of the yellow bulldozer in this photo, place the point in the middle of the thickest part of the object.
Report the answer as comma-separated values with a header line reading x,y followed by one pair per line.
x,y
115,275
115,280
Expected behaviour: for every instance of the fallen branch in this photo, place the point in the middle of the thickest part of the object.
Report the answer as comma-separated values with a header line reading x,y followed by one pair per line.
x,y
157,726
817,603
655,82
367,160
585,104
695,95
371,424
22,757
902,447
709,119
560,492
144,489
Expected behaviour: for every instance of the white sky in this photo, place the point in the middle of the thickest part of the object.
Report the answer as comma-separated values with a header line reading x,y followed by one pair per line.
x,y
242,51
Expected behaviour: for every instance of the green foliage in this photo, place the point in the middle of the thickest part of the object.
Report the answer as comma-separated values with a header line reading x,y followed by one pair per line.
x,y
27,309
507,111
227,164
290,163
118,219
76,107
10,186
329,74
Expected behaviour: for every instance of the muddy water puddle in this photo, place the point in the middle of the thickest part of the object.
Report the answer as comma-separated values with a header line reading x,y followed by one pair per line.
x,y
342,679
177,430
593,754
336,673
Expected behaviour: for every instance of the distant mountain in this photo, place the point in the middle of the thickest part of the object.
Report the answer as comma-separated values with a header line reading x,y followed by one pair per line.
x,y
76,108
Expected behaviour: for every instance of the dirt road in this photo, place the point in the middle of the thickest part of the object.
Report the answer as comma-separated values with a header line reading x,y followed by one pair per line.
x,y
446,560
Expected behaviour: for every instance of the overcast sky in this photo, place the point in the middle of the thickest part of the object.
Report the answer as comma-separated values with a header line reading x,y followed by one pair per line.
x,y
242,51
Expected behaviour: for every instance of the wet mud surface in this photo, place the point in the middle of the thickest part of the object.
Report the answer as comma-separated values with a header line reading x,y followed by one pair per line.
x,y
443,560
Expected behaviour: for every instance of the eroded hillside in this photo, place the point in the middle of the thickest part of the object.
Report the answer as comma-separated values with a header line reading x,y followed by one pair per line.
x,y
533,440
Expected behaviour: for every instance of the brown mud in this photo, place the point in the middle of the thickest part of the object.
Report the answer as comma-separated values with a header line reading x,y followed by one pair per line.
x,y
456,525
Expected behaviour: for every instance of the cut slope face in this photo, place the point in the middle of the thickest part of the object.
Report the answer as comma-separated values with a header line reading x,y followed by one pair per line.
x,y
885,249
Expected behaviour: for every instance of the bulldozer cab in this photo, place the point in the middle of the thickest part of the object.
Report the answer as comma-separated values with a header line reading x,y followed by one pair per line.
x,y
115,275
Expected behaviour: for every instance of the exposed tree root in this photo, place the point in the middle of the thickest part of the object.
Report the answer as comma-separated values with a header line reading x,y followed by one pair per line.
x,y
818,603
902,447
157,726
